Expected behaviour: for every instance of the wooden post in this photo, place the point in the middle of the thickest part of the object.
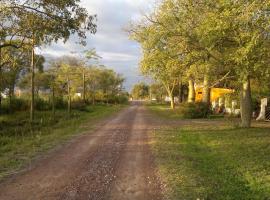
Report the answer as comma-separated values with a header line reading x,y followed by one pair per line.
x,y
32,109
69,97
53,102
0,78
84,100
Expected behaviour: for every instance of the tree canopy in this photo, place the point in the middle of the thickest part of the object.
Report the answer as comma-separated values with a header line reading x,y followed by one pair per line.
x,y
207,42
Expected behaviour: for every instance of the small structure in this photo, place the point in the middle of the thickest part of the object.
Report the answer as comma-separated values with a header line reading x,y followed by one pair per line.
x,y
263,112
168,99
215,94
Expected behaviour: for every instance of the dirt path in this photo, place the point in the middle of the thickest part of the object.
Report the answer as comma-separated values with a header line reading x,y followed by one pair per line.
x,y
114,163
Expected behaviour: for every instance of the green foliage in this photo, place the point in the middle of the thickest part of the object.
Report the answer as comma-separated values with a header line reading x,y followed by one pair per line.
x,y
19,104
33,24
60,103
214,162
158,92
193,110
183,111
45,21
119,99
42,104
16,104
140,91
222,43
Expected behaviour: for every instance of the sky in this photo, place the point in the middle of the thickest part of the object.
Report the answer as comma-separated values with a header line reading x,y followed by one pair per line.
x,y
111,41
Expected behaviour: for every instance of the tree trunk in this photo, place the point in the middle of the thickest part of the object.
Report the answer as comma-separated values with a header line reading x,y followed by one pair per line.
x,y
206,90
93,98
172,101
180,91
1,76
246,103
11,95
107,98
150,94
69,99
32,83
53,102
84,100
191,91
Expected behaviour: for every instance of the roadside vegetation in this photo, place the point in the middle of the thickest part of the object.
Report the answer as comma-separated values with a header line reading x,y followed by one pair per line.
x,y
183,111
191,48
44,101
21,141
214,162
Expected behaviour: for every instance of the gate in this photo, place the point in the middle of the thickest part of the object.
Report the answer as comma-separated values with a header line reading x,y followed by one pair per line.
x,y
267,113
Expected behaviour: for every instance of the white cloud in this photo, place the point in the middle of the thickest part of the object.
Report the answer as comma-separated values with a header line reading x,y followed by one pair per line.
x,y
120,57
111,41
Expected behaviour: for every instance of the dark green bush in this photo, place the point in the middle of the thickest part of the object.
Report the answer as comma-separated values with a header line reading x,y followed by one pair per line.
x,y
117,99
79,105
19,104
121,99
60,103
194,110
42,104
15,104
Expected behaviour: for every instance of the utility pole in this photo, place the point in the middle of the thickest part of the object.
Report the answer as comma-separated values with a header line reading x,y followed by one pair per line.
x,y
84,90
32,105
0,77
69,97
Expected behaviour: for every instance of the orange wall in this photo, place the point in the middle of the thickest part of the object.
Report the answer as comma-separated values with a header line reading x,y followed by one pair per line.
x,y
216,93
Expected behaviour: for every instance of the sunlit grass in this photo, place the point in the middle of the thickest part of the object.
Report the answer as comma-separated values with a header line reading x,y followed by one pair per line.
x,y
20,142
222,164
163,110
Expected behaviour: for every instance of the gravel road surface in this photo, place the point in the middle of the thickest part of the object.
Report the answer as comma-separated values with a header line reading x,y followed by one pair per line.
x,y
113,162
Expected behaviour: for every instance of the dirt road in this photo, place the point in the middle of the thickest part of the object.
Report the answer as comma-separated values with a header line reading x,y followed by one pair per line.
x,y
113,162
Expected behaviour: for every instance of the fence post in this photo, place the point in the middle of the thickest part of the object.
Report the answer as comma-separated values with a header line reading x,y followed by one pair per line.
x,y
263,109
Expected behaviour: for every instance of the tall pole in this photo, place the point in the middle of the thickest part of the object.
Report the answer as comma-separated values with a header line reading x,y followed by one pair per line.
x,y
1,77
84,87
32,109
53,101
69,97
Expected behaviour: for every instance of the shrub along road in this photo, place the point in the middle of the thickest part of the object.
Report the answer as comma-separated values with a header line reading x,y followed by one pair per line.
x,y
113,162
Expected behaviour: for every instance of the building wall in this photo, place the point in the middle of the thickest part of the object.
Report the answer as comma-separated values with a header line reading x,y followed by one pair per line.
x,y
216,93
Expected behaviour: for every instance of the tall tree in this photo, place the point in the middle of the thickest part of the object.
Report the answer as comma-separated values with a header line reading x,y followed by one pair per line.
x,y
42,22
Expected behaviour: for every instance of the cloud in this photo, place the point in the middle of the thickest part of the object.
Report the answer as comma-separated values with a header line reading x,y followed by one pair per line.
x,y
111,41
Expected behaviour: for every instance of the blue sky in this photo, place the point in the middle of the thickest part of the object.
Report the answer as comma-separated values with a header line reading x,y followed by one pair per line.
x,y
111,41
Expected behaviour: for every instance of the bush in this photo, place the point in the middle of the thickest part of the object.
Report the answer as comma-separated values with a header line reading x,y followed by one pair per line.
x,y
194,110
16,105
121,99
19,104
79,105
42,104
60,103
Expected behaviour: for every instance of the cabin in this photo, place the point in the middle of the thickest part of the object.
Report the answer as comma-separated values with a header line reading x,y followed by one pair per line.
x,y
215,93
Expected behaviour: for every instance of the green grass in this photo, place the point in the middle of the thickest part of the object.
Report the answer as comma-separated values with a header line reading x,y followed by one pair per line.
x,y
163,110
20,142
225,164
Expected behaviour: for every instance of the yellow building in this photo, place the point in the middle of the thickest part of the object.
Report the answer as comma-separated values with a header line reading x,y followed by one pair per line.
x,y
216,93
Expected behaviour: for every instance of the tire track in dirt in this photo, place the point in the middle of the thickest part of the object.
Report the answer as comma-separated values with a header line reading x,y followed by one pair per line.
x,y
113,162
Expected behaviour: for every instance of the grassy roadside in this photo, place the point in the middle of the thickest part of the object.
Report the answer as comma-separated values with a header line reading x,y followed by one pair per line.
x,y
20,143
223,164
163,110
